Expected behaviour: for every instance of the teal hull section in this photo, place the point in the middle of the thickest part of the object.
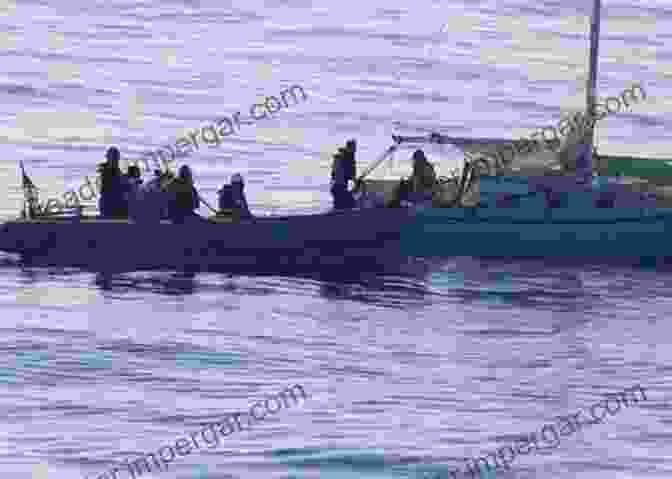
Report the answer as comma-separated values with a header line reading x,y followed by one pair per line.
x,y
491,232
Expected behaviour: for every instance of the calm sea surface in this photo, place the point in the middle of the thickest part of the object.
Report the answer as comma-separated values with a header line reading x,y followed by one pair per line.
x,y
407,375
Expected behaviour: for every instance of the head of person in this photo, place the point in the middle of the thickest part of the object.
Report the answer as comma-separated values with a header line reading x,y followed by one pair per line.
x,y
112,156
237,181
419,155
185,174
351,146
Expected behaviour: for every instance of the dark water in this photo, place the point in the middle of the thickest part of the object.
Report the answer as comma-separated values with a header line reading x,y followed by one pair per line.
x,y
407,374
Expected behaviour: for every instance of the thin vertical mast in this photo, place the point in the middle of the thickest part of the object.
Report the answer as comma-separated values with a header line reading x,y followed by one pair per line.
x,y
591,89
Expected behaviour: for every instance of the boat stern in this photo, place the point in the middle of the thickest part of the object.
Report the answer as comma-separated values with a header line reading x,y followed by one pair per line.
x,y
17,237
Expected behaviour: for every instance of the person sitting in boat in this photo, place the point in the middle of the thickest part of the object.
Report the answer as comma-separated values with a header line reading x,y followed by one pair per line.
x,y
152,200
423,180
419,188
134,177
343,170
134,195
232,199
154,184
114,189
424,176
184,199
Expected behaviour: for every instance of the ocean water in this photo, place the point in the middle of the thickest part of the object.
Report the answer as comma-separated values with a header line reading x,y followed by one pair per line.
x,y
407,375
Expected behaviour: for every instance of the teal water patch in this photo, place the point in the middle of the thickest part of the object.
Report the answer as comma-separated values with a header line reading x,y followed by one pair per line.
x,y
206,359
32,359
7,376
23,361
503,282
336,464
35,361
499,289
95,359
489,474
201,472
345,464
446,279
436,471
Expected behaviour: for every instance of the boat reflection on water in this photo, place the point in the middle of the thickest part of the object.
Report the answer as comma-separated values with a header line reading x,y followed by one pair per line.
x,y
468,292
399,287
563,296
180,283
505,283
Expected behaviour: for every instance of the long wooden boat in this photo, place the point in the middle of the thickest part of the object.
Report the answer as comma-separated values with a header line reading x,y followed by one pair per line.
x,y
494,216
514,215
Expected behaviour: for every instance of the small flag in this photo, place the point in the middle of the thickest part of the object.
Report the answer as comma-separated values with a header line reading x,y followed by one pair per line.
x,y
26,182
30,195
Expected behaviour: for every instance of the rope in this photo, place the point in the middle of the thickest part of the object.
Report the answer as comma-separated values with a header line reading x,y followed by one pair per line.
x,y
206,204
377,162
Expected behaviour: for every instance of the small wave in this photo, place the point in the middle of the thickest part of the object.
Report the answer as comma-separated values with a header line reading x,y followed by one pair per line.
x,y
22,90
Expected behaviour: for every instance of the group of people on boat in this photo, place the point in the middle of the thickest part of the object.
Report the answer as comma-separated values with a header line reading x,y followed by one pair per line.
x,y
418,189
165,196
124,195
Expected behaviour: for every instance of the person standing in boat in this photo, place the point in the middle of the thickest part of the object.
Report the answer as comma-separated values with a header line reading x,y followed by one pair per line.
x,y
232,199
115,186
344,170
184,199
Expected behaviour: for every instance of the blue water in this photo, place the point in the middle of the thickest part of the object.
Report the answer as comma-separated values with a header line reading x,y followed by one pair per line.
x,y
407,375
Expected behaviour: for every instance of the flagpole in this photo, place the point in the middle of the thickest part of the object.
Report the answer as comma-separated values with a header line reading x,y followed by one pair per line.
x,y
23,187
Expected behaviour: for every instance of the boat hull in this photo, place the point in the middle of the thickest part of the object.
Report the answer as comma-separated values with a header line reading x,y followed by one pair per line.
x,y
343,240
541,233
366,239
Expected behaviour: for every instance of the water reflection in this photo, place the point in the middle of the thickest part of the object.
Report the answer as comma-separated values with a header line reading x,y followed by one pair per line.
x,y
506,283
179,283
494,283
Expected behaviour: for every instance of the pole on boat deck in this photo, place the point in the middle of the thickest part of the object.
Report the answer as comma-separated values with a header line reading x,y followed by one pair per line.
x,y
591,87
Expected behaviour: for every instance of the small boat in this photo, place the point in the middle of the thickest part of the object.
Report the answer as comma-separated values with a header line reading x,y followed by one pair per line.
x,y
516,214
479,215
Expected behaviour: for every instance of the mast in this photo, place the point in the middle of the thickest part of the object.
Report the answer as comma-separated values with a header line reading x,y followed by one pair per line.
x,y
591,88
